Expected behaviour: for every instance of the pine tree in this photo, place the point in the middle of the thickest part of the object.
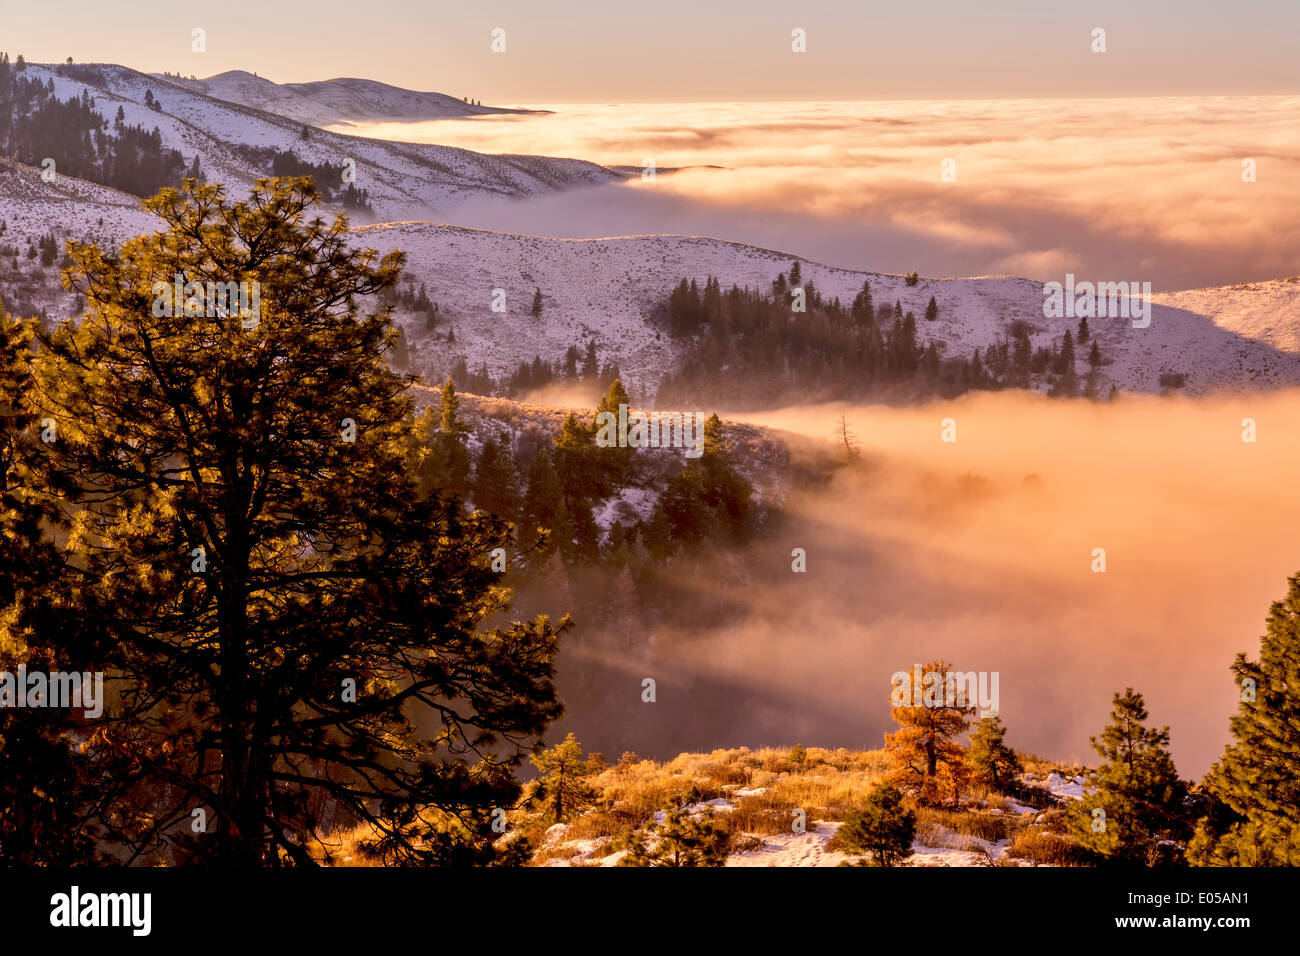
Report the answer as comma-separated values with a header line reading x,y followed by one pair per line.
x,y
445,466
1258,777
883,829
537,303
932,310
496,482
1083,330
616,396
925,756
563,785
544,507
1134,798
796,275
292,628
991,761
681,839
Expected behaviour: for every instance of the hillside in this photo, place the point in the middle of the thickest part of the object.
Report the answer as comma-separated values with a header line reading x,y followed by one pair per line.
x,y
399,178
1240,337
1209,335
606,290
752,795
343,101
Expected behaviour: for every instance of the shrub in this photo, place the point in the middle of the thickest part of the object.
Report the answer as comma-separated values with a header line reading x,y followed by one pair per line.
x,y
883,829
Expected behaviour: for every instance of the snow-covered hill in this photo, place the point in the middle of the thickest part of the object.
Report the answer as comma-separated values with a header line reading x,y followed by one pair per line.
x,y
338,102
1240,337
401,179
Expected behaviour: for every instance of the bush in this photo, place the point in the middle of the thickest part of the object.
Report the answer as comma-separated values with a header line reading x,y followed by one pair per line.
x,y
882,829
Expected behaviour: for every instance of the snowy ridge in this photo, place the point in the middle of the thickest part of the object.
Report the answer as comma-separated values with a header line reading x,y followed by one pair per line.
x,y
338,102
400,178
1234,338
608,288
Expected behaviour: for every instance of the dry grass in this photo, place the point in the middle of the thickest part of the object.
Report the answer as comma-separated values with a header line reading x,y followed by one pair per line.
x,y
1044,847
826,785
990,827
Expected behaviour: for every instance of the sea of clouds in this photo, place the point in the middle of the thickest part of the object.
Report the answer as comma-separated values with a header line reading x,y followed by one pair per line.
x,y
1138,188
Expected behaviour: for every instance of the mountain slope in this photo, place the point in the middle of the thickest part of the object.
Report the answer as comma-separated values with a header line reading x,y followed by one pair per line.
x,y
338,102
607,288
1240,337
401,179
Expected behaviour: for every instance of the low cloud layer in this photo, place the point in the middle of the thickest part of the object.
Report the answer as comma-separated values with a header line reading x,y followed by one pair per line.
x,y
981,552
1139,189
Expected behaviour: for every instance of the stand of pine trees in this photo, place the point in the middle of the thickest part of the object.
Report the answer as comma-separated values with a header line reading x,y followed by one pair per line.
x,y
749,348
35,125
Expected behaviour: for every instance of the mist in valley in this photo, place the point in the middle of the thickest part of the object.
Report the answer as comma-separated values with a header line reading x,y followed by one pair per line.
x,y
978,551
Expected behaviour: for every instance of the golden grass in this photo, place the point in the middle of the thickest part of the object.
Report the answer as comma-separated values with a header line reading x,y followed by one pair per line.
x,y
826,785
1045,847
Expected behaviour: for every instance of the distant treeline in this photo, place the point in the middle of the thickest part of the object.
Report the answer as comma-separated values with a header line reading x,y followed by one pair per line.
x,y
327,178
751,348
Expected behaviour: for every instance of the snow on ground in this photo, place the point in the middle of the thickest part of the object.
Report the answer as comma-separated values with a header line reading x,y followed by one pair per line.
x,y
1058,786
629,506
794,849
607,289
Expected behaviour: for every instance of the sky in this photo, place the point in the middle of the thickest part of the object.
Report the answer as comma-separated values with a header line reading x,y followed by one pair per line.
x,y
683,50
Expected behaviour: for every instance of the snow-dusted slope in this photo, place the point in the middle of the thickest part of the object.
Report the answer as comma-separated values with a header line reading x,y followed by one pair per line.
x,y
1241,337
401,179
607,288
336,102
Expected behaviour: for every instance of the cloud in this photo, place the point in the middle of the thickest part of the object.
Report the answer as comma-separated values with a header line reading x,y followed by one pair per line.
x,y
1041,185
979,551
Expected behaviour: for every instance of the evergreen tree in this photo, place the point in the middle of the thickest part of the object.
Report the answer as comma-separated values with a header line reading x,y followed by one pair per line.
x,y
1258,777
562,785
924,754
1083,330
883,829
544,507
616,396
931,310
291,628
445,466
681,839
537,303
1135,789
496,482
991,761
